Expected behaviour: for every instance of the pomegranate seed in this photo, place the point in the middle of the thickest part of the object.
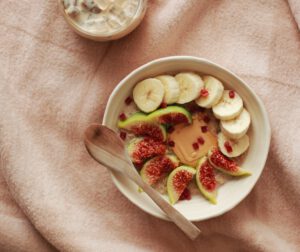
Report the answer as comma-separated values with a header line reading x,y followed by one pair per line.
x,y
204,129
128,100
170,129
201,140
228,146
122,117
204,92
138,166
123,135
206,119
171,143
186,195
231,94
195,146
163,105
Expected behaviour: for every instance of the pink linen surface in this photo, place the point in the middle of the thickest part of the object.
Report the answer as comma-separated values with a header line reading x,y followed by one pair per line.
x,y
53,196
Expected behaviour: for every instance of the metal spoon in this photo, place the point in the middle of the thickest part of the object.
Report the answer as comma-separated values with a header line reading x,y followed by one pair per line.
x,y
106,147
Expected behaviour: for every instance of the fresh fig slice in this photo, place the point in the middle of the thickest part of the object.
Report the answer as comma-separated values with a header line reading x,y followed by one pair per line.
x,y
140,125
178,180
224,164
158,167
142,148
171,115
206,180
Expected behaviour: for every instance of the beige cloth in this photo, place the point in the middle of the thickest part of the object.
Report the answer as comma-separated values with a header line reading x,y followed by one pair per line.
x,y
294,5
54,83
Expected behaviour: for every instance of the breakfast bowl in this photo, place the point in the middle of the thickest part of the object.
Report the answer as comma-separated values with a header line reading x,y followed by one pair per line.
x,y
234,190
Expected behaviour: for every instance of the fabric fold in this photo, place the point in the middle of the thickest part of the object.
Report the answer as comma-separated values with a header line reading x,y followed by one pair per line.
x,y
54,84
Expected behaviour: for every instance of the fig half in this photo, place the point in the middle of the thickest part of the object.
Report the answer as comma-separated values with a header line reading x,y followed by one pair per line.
x,y
178,180
158,167
171,115
142,148
140,125
224,164
206,180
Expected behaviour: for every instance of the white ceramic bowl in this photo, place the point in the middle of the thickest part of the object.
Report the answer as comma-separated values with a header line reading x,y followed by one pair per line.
x,y
232,192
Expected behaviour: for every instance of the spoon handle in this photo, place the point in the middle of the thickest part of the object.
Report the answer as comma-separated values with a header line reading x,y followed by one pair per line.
x,y
183,223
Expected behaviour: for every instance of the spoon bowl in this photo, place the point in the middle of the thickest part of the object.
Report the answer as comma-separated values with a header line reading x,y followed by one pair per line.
x,y
111,150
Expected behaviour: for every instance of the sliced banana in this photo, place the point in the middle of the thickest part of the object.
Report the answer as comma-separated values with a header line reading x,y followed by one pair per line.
x,y
171,86
237,127
215,90
148,94
190,85
228,107
232,148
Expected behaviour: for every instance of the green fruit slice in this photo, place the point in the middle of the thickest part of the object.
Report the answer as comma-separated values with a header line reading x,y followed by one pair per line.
x,y
206,181
178,180
140,125
171,115
224,164
158,167
142,148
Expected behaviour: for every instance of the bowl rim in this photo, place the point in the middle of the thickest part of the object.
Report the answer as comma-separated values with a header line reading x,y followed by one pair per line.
x,y
266,123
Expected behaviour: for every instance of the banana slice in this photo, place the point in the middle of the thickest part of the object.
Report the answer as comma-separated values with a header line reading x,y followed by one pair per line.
x,y
215,90
236,128
171,86
229,107
232,148
190,85
148,94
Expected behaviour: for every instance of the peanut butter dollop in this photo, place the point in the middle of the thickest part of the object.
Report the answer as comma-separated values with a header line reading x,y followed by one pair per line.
x,y
186,138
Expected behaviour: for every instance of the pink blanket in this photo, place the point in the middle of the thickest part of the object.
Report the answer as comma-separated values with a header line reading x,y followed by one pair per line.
x,y
53,196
